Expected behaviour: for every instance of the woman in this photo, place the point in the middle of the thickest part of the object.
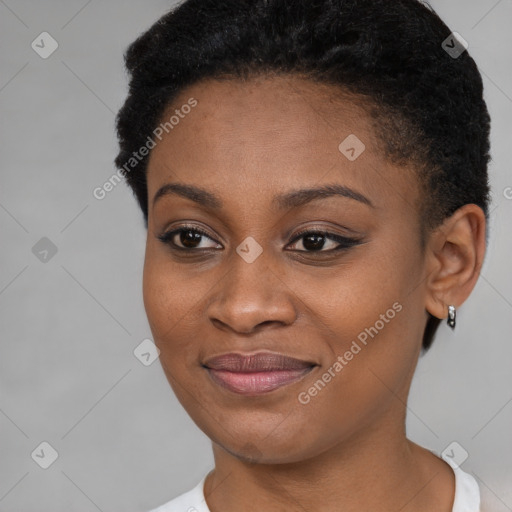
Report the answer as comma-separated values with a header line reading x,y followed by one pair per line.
x,y
313,179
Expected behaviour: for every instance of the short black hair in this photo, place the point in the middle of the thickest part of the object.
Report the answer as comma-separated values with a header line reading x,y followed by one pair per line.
x,y
426,101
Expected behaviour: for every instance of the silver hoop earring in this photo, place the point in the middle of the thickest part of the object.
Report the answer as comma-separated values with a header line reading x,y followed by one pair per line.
x,y
451,316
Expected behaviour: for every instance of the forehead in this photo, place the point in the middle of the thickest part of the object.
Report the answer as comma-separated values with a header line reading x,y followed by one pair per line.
x,y
268,134
278,111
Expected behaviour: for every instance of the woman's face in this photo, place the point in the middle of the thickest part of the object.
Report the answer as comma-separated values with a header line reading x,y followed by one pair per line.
x,y
246,275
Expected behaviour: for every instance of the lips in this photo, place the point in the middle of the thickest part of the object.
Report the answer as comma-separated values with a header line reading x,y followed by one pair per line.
x,y
256,373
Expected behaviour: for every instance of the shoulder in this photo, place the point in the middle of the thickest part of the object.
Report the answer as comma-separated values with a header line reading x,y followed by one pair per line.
x,y
190,501
467,492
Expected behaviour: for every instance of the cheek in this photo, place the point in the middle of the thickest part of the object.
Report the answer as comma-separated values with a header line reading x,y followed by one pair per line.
x,y
366,296
171,305
372,318
169,293
169,302
175,302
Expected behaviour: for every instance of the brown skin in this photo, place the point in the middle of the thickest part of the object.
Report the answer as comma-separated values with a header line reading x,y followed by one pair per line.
x,y
346,449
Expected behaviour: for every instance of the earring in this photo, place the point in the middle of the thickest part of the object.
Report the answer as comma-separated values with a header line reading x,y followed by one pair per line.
x,y
451,316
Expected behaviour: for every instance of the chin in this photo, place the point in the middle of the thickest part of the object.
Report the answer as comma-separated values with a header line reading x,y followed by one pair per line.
x,y
252,454
263,445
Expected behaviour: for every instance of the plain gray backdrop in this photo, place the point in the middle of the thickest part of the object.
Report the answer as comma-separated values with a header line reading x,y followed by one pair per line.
x,y
71,319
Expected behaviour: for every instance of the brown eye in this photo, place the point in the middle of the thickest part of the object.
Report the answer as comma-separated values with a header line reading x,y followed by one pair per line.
x,y
187,239
317,241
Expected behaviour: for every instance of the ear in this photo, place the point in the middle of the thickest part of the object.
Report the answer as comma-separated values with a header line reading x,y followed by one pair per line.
x,y
455,254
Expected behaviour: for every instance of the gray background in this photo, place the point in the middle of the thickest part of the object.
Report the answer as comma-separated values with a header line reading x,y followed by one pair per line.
x,y
69,325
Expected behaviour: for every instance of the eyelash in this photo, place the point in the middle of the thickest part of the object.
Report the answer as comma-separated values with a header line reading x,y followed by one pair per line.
x,y
344,242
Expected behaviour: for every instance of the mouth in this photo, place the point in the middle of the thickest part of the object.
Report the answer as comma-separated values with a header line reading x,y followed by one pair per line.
x,y
258,373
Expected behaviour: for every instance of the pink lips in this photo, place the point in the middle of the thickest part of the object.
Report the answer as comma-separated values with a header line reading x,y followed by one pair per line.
x,y
257,373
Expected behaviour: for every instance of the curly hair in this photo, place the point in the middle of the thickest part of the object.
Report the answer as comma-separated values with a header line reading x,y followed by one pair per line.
x,y
426,103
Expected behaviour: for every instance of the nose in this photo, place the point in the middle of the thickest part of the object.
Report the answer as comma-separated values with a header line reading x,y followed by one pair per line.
x,y
251,296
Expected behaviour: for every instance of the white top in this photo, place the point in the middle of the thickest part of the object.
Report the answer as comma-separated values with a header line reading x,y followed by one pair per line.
x,y
467,495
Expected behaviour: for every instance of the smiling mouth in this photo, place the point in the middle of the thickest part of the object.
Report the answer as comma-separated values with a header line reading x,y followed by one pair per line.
x,y
257,373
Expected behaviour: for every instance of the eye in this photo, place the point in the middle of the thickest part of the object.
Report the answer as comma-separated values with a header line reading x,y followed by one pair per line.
x,y
193,238
189,239
317,241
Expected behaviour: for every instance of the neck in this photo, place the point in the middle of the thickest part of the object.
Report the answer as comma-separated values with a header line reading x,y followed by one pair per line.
x,y
377,468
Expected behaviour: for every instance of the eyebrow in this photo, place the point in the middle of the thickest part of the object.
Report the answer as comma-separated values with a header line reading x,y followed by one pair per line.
x,y
288,200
